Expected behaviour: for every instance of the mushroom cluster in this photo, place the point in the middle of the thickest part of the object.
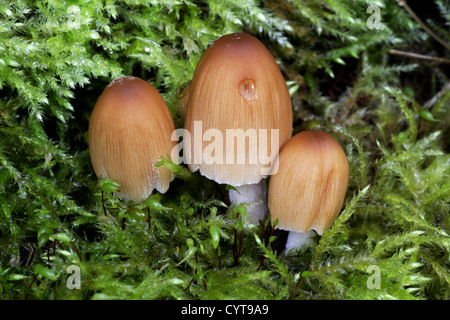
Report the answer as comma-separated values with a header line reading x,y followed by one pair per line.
x,y
238,113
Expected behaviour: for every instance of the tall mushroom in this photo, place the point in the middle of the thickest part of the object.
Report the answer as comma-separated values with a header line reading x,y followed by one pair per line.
x,y
239,114
307,192
129,131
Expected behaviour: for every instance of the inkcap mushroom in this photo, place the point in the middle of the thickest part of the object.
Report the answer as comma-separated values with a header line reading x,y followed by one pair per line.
x,y
129,131
307,192
239,114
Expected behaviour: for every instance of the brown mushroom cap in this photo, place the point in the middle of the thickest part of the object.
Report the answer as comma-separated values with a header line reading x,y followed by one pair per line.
x,y
238,85
308,190
129,131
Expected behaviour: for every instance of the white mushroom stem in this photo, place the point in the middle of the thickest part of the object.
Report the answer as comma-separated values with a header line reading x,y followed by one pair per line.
x,y
255,196
298,239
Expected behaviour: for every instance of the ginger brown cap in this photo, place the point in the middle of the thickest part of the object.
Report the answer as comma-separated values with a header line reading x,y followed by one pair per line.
x,y
238,85
309,188
129,131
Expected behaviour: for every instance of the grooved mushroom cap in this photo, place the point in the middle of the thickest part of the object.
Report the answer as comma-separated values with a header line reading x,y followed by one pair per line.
x,y
129,131
237,85
308,190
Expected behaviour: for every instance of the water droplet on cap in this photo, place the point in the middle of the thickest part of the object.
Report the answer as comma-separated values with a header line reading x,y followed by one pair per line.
x,y
247,89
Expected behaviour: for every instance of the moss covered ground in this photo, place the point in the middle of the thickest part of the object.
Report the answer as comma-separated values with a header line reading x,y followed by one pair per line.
x,y
352,70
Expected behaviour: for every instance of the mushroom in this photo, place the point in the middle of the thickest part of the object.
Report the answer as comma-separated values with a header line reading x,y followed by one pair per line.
x,y
129,131
239,114
307,192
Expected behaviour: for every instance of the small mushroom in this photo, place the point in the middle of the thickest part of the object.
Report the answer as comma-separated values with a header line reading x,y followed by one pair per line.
x,y
307,192
239,100
129,131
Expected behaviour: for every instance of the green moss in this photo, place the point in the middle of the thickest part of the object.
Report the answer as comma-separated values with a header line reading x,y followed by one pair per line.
x,y
56,58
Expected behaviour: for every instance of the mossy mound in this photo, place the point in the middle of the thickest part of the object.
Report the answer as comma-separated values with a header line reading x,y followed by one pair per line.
x,y
390,112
